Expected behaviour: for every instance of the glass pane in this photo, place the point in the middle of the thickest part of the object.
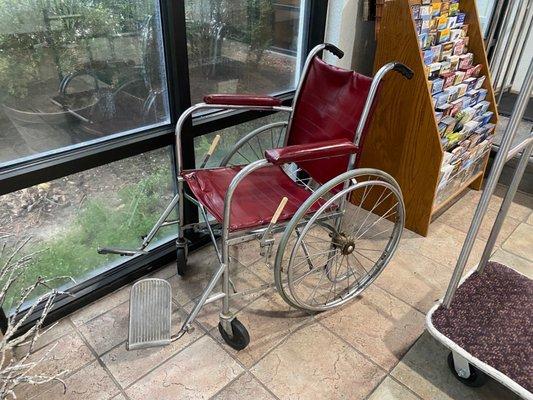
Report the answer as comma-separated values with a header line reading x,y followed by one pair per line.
x,y
485,9
242,46
73,71
270,138
68,218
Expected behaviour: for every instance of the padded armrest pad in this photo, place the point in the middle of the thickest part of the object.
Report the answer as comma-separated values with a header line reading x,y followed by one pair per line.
x,y
311,151
242,100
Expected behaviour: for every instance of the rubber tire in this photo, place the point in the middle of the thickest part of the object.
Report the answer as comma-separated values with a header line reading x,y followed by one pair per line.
x,y
240,338
477,378
181,260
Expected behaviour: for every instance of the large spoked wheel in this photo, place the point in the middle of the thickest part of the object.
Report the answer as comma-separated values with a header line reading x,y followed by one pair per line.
x,y
252,146
340,240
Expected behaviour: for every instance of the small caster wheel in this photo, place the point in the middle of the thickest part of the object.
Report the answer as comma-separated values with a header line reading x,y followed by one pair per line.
x,y
477,378
240,338
181,260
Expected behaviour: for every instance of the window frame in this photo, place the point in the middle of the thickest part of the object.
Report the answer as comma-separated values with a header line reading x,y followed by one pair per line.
x,y
57,164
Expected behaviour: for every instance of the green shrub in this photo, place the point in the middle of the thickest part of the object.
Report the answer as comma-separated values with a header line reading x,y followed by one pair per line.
x,y
99,222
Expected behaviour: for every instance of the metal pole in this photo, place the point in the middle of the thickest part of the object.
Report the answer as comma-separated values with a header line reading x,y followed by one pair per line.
x,y
514,52
504,208
497,61
494,175
494,19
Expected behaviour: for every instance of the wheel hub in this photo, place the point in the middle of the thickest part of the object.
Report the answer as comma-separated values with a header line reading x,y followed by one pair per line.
x,y
344,243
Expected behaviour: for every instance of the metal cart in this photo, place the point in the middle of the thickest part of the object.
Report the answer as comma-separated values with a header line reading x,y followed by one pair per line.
x,y
486,318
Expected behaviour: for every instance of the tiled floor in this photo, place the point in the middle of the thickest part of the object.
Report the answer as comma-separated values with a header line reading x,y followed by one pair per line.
x,y
373,348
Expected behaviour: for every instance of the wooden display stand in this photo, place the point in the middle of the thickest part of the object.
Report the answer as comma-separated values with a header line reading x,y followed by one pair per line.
x,y
403,139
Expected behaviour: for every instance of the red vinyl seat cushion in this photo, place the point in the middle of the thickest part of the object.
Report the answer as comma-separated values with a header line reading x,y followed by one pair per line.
x,y
254,201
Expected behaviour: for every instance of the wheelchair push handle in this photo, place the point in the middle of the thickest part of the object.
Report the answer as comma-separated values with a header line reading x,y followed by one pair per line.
x,y
403,69
334,49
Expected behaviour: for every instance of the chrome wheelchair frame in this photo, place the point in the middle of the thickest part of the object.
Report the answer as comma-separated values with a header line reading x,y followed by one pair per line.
x,y
230,328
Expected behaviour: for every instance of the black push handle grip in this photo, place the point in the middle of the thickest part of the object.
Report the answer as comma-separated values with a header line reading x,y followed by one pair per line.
x,y
403,69
335,50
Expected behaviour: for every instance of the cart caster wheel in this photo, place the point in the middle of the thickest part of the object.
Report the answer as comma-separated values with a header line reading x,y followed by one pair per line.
x,y
477,378
181,260
240,338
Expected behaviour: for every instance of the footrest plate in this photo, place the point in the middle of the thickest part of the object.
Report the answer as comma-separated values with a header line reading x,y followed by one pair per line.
x,y
150,314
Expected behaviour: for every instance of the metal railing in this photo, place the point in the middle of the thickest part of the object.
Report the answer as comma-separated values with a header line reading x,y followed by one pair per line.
x,y
499,162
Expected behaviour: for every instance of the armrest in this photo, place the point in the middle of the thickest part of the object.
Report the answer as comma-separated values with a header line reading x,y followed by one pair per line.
x,y
242,100
311,151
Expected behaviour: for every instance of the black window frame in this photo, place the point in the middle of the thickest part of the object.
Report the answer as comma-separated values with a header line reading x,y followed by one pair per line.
x,y
46,167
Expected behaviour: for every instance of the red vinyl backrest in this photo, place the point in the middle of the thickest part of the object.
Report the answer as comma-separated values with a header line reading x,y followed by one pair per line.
x,y
329,107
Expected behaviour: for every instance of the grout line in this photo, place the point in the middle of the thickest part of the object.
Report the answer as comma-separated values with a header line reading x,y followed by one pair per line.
x,y
99,315
354,348
376,387
164,361
246,370
99,361
513,254
71,372
264,386
397,298
226,385
55,339
406,387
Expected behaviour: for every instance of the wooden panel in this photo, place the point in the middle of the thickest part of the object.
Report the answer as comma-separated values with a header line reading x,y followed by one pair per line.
x,y
403,138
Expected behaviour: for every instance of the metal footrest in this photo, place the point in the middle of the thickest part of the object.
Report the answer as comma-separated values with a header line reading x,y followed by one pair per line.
x,y
121,252
150,314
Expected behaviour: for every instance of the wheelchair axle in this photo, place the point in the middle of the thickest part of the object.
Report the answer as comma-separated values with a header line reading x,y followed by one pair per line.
x,y
344,243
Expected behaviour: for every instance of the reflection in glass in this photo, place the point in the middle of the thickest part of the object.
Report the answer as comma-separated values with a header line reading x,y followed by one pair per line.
x,y
68,218
242,46
72,71
270,138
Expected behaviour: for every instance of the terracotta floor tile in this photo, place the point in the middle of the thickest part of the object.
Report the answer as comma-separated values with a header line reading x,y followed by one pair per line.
x,y
415,279
51,334
268,320
248,254
198,372
378,325
128,366
521,242
201,266
166,272
443,245
244,387
313,364
101,306
389,389
425,371
460,216
65,355
516,262
90,383
520,208
107,330
243,280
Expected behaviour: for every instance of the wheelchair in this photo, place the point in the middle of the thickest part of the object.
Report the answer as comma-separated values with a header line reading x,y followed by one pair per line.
x,y
336,225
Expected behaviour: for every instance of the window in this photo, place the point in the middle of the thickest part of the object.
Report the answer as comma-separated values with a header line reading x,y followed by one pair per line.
x,y
67,219
90,92
77,71
243,46
485,10
270,138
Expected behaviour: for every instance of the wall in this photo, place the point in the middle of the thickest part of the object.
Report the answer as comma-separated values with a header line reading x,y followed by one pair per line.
x,y
346,29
